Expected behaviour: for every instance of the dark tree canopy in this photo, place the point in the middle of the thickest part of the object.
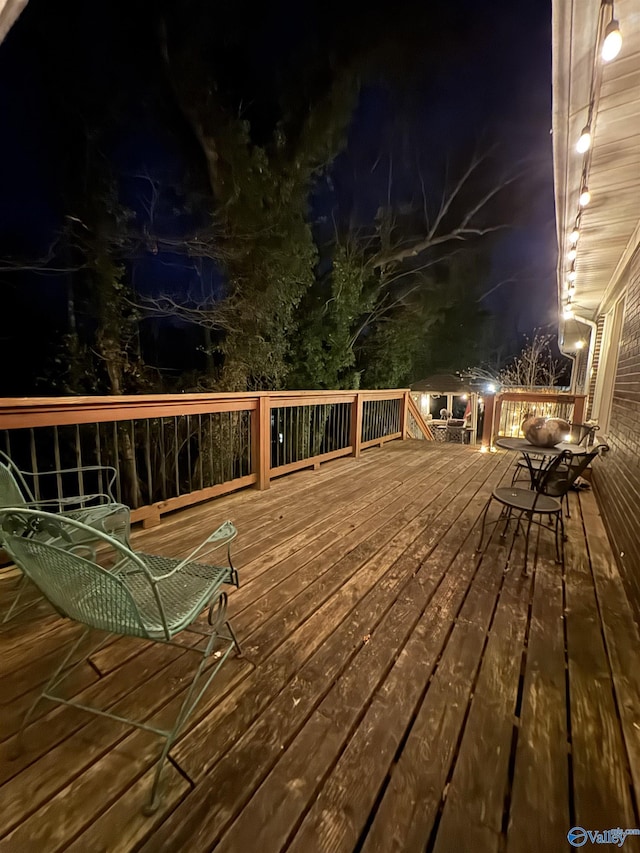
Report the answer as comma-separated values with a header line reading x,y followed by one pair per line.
x,y
242,197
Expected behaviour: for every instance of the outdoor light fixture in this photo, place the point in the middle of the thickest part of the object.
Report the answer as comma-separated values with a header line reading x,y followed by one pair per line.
x,y
612,39
584,142
585,197
573,237
572,254
579,344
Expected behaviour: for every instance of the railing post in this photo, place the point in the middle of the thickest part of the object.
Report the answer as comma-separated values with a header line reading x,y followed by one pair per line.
x,y
261,441
404,415
578,408
487,424
356,425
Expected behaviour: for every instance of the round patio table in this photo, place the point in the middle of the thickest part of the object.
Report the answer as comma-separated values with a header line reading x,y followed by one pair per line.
x,y
521,445
538,467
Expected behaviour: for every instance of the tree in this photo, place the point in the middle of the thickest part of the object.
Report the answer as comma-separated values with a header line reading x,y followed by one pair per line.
x,y
535,367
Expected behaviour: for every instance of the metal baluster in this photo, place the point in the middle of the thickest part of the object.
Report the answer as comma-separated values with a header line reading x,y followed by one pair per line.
x,y
232,445
101,484
34,463
247,438
133,458
200,459
163,460
56,456
188,420
211,471
79,461
175,453
116,461
147,458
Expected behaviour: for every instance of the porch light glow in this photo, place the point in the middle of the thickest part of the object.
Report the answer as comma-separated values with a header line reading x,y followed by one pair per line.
x,y
585,197
612,40
573,237
584,142
572,254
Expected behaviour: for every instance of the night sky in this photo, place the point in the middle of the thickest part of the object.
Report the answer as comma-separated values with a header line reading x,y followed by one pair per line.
x,y
443,78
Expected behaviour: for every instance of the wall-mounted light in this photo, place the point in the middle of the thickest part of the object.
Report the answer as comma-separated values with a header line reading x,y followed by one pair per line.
x,y
585,197
579,344
584,142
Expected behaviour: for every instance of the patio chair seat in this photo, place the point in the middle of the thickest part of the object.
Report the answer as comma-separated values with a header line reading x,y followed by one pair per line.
x,y
526,500
184,594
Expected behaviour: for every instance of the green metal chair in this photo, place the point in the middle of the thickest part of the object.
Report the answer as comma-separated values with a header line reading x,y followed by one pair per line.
x,y
98,510
107,586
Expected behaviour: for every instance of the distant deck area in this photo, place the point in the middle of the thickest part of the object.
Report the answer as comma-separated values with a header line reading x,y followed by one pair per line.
x,y
397,692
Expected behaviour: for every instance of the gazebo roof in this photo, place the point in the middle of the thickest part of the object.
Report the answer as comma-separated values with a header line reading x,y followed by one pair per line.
x,y
442,383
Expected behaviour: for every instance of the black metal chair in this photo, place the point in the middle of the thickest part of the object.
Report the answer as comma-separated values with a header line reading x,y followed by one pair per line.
x,y
583,434
552,484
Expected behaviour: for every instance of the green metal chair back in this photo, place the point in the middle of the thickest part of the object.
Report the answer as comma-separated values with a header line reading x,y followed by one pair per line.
x,y
13,488
45,547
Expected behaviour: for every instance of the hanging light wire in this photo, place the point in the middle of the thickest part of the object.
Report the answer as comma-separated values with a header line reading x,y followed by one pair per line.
x,y
607,47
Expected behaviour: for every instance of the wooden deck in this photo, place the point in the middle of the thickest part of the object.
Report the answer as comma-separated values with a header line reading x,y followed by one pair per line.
x,y
397,692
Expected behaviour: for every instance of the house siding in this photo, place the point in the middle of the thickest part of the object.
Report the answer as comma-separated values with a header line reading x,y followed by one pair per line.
x,y
617,475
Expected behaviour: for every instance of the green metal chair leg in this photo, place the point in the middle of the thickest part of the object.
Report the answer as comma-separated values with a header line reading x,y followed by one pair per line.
x,y
188,705
19,745
20,587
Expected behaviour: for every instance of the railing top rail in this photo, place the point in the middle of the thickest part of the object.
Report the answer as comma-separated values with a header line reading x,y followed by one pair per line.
x,y
124,399
25,412
539,396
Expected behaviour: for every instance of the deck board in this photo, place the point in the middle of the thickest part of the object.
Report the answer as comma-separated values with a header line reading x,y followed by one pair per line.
x,y
398,691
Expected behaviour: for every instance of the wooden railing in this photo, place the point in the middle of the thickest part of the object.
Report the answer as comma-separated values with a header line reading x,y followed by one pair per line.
x,y
505,412
417,427
170,451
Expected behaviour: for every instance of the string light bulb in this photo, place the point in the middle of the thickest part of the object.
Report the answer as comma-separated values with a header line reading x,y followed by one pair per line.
x,y
567,312
573,237
572,254
584,142
585,197
612,39
571,275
